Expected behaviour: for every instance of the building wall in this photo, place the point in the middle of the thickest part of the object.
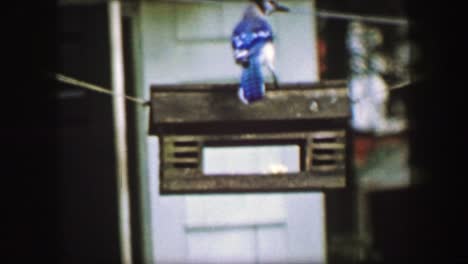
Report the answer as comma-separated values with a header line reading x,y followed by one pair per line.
x,y
193,42
189,43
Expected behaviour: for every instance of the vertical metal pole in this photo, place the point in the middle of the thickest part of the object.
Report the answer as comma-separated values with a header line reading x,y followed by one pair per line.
x,y
117,71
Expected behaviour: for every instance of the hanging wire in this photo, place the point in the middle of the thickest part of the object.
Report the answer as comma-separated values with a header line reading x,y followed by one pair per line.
x,y
354,17
399,85
72,81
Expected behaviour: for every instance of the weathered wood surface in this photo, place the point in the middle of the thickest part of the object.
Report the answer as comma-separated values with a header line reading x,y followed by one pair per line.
x,y
181,163
195,139
252,183
190,117
219,103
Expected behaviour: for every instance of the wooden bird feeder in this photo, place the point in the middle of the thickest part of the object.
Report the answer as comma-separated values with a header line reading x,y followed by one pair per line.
x,y
189,118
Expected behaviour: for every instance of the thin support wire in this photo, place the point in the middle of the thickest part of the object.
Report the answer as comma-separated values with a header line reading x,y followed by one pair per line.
x,y
354,17
93,87
400,85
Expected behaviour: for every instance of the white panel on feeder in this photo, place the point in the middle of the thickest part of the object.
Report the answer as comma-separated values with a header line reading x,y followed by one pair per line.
x,y
251,160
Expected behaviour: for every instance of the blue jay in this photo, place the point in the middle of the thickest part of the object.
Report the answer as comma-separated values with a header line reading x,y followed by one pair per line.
x,y
252,43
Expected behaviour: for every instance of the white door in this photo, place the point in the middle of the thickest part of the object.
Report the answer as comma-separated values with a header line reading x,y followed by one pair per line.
x,y
188,43
240,228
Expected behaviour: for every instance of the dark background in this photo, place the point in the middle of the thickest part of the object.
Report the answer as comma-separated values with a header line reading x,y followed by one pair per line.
x,y
58,154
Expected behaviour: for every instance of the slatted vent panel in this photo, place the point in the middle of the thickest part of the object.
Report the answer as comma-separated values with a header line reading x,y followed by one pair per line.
x,y
182,153
327,151
323,160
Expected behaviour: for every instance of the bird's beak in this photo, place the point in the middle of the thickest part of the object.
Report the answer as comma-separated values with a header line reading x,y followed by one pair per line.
x,y
281,8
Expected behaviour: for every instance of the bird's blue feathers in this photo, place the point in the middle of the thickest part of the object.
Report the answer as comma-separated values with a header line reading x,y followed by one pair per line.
x,y
248,38
250,31
252,84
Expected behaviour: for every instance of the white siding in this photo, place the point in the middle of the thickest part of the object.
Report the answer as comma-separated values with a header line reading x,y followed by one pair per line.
x,y
274,227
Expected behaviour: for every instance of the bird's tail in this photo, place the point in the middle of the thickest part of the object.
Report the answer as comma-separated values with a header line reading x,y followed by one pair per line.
x,y
252,85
